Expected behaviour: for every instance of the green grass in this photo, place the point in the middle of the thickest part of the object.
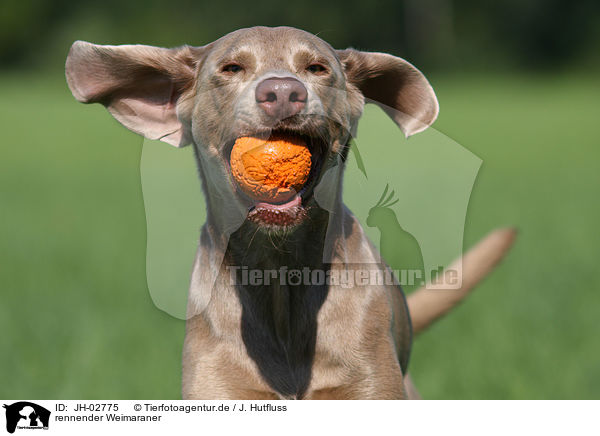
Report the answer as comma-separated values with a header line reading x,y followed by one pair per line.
x,y
78,321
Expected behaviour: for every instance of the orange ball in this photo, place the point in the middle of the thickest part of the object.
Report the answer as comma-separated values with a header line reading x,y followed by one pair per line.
x,y
271,170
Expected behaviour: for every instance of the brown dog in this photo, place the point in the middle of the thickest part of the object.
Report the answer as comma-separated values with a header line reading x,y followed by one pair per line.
x,y
269,339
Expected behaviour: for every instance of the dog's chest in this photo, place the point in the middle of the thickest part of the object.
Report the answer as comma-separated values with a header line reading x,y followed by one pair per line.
x,y
279,331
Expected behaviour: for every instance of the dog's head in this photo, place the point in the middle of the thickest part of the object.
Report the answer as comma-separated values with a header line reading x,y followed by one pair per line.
x,y
255,82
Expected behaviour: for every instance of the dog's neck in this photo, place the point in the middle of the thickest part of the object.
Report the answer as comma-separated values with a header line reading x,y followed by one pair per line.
x,y
301,247
279,305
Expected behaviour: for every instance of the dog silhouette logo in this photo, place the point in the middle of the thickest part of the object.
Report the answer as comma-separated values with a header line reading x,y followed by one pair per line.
x,y
26,415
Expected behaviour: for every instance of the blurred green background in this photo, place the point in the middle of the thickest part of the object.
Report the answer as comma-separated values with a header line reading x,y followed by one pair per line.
x,y
518,86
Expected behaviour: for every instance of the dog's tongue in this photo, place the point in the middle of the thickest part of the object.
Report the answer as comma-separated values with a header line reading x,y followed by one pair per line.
x,y
295,201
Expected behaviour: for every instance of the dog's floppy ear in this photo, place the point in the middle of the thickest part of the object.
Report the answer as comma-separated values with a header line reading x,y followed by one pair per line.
x,y
140,85
395,85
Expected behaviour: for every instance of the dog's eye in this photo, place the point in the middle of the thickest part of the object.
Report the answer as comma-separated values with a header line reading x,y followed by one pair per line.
x,y
316,69
232,68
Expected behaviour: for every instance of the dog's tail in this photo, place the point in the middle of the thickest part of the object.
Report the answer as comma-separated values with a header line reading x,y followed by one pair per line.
x,y
427,305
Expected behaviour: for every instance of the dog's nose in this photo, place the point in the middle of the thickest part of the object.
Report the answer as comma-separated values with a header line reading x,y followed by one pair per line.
x,y
281,97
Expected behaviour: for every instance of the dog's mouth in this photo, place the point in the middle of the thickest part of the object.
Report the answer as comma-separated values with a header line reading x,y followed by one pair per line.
x,y
292,210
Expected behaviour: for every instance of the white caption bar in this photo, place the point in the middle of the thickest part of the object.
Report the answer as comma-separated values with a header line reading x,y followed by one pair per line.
x,y
24,417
